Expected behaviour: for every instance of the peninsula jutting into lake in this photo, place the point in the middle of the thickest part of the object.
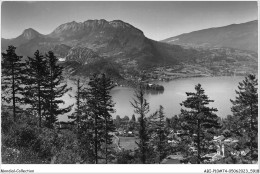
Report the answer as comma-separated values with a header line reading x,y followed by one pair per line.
x,y
129,83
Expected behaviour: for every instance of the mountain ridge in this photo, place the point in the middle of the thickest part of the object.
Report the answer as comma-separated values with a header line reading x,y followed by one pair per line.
x,y
115,23
239,36
104,37
113,42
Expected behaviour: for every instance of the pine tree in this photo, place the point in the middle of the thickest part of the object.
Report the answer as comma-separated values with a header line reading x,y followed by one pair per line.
x,y
86,142
132,123
141,107
78,105
106,108
55,90
117,121
101,106
175,123
133,118
158,129
34,92
84,125
245,113
95,115
77,115
199,120
86,131
12,76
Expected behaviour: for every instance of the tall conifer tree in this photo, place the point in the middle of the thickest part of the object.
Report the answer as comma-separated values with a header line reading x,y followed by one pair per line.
x,y
101,106
36,81
158,129
200,120
141,107
12,76
245,112
95,115
77,115
84,124
106,107
55,90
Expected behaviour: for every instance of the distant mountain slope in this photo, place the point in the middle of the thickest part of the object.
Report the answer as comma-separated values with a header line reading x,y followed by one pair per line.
x,y
102,36
82,55
239,36
91,40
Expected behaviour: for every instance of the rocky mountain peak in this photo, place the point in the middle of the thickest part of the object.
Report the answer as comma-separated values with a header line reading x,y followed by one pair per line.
x,y
95,22
70,26
119,23
30,34
73,27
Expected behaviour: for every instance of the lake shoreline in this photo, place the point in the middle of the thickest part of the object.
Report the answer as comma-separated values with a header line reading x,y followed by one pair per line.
x,y
174,79
174,93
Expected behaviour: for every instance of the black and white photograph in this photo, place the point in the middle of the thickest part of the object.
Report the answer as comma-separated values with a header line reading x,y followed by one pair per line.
x,y
129,82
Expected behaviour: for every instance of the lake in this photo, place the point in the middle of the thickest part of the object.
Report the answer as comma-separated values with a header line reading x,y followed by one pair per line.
x,y
219,89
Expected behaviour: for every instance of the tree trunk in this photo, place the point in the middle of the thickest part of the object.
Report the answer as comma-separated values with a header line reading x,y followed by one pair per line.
x,y
143,140
198,141
106,134
13,92
143,131
78,108
96,151
251,133
198,133
51,97
160,142
39,104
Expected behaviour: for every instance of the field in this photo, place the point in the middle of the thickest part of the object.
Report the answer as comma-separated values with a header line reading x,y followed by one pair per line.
x,y
128,143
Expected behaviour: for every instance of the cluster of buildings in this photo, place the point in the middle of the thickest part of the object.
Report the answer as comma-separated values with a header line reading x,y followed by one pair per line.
x,y
219,142
125,133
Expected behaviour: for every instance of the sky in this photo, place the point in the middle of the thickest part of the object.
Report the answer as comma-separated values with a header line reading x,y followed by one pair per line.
x,y
158,20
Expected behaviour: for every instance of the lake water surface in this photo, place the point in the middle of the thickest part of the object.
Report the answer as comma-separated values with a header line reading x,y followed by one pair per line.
x,y
219,89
